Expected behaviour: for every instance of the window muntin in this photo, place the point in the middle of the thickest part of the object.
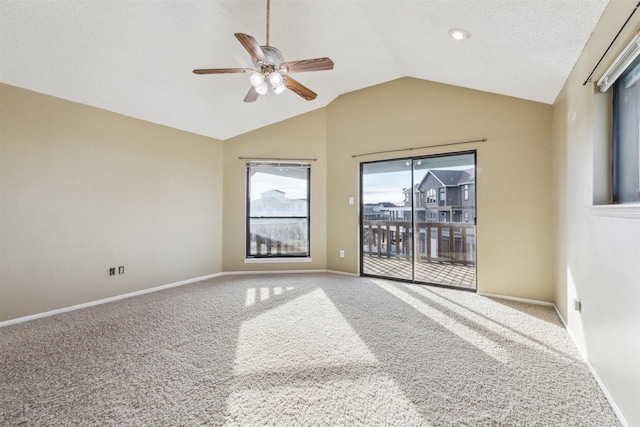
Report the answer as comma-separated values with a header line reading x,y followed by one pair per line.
x,y
626,135
278,223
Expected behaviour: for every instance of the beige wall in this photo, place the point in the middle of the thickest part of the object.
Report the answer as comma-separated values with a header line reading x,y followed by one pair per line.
x,y
514,177
514,172
302,137
598,247
83,190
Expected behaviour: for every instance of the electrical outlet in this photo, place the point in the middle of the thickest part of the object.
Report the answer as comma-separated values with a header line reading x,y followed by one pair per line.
x,y
577,305
341,253
121,269
112,271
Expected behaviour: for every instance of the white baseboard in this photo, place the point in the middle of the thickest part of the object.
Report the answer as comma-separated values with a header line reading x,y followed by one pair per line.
x,y
585,358
593,371
564,323
342,273
105,300
527,300
259,272
155,289
612,402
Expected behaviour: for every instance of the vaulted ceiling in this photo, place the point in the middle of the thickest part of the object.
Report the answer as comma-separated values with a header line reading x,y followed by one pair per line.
x,y
136,57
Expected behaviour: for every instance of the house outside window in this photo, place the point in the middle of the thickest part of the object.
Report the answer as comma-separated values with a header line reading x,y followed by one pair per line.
x,y
278,206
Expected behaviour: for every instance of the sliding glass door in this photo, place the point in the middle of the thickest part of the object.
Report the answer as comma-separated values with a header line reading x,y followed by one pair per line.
x,y
418,219
386,218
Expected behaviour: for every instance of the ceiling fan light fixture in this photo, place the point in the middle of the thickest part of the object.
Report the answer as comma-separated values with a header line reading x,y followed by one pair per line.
x,y
256,79
278,89
270,65
276,79
262,89
459,34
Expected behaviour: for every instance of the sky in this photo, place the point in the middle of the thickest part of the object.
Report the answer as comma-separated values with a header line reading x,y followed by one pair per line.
x,y
388,187
384,187
378,187
292,187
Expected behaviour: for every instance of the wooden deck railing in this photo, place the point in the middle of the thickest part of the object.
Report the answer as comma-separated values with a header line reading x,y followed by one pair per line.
x,y
453,242
287,237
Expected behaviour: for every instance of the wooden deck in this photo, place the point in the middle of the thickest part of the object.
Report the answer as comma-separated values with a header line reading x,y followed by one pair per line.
x,y
459,275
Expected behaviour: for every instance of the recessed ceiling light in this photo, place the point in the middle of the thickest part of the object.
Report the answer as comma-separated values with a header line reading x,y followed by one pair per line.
x,y
459,34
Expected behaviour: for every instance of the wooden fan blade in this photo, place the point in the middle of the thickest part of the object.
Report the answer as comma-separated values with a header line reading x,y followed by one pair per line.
x,y
317,64
252,95
222,70
300,89
252,46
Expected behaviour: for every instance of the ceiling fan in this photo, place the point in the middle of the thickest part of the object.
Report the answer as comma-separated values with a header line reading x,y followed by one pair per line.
x,y
271,70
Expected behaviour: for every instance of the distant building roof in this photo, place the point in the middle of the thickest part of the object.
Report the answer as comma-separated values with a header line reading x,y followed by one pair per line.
x,y
452,178
273,193
468,177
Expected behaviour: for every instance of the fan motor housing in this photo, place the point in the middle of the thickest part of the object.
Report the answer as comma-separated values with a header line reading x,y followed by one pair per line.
x,y
273,55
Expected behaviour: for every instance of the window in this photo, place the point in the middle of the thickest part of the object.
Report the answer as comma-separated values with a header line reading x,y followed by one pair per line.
x,y
626,135
278,210
442,196
623,75
431,196
466,191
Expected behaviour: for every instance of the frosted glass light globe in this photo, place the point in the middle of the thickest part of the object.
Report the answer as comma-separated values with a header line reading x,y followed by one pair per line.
x,y
256,79
276,79
262,89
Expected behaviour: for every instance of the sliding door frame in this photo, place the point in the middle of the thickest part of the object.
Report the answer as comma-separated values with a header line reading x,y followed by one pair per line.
x,y
412,159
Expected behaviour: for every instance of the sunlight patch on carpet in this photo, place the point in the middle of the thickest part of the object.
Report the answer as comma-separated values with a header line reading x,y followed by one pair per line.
x,y
367,400
251,297
292,336
531,331
474,338
303,361
265,294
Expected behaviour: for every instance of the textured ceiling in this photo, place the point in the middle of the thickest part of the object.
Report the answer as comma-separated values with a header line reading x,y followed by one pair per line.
x,y
136,57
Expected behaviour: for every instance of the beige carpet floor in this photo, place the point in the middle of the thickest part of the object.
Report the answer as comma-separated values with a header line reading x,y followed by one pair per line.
x,y
302,349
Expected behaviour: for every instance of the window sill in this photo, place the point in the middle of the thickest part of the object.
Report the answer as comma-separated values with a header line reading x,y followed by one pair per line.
x,y
628,210
275,260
